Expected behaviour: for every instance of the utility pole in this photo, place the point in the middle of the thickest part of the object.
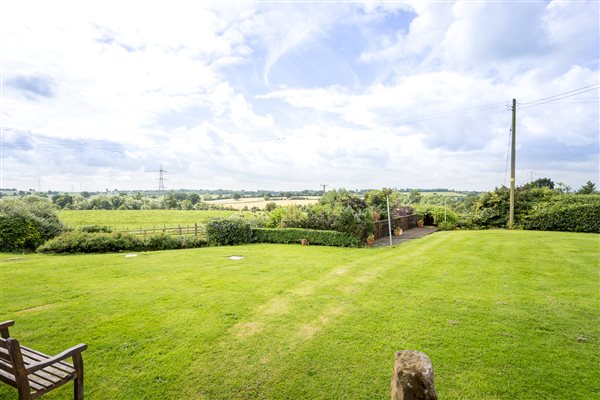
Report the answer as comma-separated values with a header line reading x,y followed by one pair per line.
x,y
511,215
387,202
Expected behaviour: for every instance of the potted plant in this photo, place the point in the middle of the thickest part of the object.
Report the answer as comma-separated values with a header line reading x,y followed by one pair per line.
x,y
371,239
420,223
398,231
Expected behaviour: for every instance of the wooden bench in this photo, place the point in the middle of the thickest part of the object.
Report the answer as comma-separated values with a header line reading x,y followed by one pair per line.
x,y
34,373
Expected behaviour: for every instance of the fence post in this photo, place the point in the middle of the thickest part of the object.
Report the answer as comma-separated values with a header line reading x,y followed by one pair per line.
x,y
179,229
195,229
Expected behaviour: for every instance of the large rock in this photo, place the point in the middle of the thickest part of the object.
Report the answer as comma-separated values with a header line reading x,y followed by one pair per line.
x,y
413,377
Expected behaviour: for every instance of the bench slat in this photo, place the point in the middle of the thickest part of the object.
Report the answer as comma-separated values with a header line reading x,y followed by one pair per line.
x,y
37,356
7,378
40,384
6,366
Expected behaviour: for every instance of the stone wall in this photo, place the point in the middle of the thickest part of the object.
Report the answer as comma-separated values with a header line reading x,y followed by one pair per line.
x,y
405,222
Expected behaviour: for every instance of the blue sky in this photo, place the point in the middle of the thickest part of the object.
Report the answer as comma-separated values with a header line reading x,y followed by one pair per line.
x,y
281,95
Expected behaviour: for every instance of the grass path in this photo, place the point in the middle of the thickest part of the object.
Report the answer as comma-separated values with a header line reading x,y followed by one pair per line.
x,y
503,315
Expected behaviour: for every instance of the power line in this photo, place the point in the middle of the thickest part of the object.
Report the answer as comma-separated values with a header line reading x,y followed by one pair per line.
x,y
564,93
427,117
556,100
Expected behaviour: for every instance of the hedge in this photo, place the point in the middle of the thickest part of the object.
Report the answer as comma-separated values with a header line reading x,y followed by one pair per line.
x,y
294,235
86,242
228,231
572,217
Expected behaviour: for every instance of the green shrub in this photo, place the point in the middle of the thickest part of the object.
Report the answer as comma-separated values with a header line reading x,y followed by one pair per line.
x,y
26,224
294,235
85,242
163,241
435,215
228,231
357,223
96,229
100,242
446,226
574,217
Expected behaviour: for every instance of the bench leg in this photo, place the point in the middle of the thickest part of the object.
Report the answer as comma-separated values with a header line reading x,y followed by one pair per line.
x,y
78,382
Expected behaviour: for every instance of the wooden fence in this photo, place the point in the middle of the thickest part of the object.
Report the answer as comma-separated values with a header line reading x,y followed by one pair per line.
x,y
179,230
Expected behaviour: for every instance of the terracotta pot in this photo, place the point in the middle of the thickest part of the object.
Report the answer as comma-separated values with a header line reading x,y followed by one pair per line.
x,y
420,223
370,242
398,232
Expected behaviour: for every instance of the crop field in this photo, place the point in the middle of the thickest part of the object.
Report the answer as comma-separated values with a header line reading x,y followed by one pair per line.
x,y
260,202
502,315
443,194
135,219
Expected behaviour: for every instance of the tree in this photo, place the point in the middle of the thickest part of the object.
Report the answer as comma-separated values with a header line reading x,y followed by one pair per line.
x,y
27,224
562,187
588,188
170,201
414,197
237,196
540,183
62,200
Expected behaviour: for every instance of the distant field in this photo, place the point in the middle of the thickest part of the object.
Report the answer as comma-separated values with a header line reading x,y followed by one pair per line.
x,y
136,219
445,194
260,202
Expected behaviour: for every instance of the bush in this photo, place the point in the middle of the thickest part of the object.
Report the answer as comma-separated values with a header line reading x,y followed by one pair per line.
x,y
167,242
24,225
99,242
357,223
270,206
315,237
565,217
85,242
96,229
228,231
435,215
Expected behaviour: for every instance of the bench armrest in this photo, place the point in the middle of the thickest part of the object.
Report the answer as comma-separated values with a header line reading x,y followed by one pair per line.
x,y
4,328
59,357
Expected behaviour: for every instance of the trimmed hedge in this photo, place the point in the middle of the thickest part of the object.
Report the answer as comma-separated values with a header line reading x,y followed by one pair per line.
x,y
293,235
565,217
85,242
228,231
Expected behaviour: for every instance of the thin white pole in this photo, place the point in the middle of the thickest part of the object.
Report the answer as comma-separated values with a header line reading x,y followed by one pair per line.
x,y
445,209
387,200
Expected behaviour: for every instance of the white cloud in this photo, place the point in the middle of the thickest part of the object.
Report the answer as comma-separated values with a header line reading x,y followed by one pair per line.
x,y
112,89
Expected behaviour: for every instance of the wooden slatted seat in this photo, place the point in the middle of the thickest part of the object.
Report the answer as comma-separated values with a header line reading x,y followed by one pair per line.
x,y
34,373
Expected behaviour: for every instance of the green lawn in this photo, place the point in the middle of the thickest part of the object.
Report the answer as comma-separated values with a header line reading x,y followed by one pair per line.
x,y
502,315
136,219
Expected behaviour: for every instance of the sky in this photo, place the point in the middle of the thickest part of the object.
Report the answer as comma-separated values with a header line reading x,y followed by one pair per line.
x,y
292,95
